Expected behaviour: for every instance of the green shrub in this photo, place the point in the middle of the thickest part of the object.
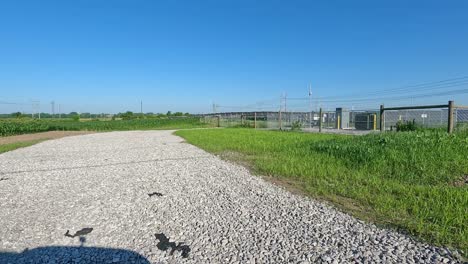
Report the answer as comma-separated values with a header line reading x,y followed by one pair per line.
x,y
406,126
296,125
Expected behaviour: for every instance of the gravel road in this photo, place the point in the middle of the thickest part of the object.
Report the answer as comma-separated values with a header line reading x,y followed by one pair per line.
x,y
148,197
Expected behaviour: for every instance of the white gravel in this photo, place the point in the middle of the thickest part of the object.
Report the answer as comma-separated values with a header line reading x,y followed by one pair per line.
x,y
221,212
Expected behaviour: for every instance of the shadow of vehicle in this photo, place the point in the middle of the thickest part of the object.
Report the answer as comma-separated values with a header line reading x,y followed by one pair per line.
x,y
68,254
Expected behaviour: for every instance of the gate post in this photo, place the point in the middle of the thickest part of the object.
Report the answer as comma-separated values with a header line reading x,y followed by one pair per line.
x,y
450,117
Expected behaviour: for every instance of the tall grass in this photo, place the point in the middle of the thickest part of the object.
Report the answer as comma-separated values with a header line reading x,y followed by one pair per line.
x,y
408,180
10,127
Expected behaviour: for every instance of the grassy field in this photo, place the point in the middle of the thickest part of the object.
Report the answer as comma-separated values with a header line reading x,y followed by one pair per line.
x,y
414,181
9,127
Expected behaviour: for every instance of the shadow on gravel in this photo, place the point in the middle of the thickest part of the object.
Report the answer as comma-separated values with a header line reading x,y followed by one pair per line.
x,y
68,254
164,245
155,193
79,233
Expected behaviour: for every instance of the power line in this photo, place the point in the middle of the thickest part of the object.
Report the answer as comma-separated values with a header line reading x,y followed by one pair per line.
x,y
443,84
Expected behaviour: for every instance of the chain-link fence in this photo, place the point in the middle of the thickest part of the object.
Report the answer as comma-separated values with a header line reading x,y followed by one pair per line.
x,y
426,118
265,120
461,118
342,119
394,118
449,116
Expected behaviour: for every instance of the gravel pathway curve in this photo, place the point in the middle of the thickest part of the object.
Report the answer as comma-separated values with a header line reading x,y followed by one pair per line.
x,y
151,198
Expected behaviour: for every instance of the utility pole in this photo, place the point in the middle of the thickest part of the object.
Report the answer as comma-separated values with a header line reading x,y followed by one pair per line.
x,y
60,113
280,120
141,107
285,101
310,106
53,108
35,105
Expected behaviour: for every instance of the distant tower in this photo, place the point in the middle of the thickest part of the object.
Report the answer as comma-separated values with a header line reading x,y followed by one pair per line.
x,y
53,108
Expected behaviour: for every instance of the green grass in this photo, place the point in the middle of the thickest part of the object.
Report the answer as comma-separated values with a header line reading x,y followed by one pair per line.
x,y
405,180
17,145
10,127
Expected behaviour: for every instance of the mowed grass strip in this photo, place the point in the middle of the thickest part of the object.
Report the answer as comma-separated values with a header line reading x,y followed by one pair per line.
x,y
414,181
17,145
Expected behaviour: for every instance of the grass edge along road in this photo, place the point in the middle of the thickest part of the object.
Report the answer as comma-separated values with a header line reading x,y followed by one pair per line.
x,y
12,146
413,181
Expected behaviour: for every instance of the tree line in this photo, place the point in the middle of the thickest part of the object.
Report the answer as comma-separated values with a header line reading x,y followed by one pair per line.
x,y
128,115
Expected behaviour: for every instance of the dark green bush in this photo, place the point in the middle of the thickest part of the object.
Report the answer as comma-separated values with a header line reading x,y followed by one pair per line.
x,y
296,125
406,126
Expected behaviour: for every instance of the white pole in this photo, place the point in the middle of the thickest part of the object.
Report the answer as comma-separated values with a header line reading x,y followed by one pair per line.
x,y
310,106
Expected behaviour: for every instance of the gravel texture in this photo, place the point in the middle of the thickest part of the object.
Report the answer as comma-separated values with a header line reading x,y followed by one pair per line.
x,y
151,198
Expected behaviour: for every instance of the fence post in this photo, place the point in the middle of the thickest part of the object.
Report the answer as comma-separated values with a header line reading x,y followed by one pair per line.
x,y
219,120
382,118
255,120
320,120
280,120
450,117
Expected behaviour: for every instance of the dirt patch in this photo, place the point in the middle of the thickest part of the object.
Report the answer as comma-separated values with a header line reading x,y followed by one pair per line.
x,y
462,182
41,136
237,158
294,186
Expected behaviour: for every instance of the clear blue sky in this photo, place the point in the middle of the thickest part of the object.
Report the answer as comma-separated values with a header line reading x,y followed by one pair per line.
x,y
104,56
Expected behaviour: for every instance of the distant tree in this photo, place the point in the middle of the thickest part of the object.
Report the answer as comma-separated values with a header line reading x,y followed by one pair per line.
x,y
16,114
187,114
46,115
169,113
127,115
178,114
74,116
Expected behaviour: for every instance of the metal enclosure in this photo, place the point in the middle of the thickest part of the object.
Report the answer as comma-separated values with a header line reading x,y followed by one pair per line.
x,y
364,121
342,118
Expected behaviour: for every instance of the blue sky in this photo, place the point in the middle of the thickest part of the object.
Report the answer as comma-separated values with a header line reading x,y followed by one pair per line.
x,y
105,56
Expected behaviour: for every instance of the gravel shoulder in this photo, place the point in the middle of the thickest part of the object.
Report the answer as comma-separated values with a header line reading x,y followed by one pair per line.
x,y
151,198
